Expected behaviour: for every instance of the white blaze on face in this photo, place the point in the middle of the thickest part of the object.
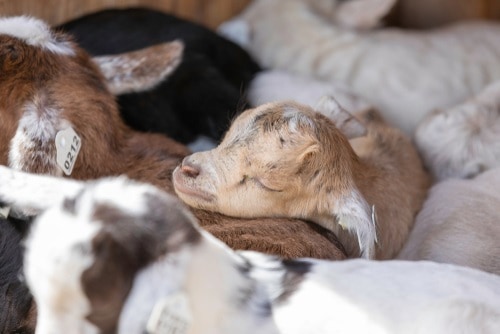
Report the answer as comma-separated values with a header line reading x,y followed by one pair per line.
x,y
58,251
34,32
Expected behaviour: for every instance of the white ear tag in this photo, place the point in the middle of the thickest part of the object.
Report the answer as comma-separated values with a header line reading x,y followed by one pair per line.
x,y
68,145
170,315
4,211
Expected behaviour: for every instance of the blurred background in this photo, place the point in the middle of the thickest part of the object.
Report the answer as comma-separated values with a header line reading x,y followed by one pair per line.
x,y
408,13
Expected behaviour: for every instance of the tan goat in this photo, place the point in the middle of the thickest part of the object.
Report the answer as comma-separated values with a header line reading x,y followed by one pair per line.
x,y
286,160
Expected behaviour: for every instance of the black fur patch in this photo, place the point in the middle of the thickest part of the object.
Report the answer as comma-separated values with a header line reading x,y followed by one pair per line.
x,y
203,93
15,298
247,296
295,272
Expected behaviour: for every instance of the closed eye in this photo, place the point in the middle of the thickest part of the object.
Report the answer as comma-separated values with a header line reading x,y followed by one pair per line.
x,y
263,186
258,182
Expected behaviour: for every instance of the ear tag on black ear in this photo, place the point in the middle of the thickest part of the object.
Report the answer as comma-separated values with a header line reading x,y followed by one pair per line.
x,y
170,315
68,145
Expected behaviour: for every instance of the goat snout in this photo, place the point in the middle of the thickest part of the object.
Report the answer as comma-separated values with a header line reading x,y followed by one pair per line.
x,y
189,168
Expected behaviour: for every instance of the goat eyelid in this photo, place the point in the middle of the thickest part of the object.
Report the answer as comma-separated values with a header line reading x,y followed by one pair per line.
x,y
263,186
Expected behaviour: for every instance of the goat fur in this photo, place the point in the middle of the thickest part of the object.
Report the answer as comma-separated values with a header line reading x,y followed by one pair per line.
x,y
462,141
460,224
213,73
405,74
17,308
124,248
62,91
360,178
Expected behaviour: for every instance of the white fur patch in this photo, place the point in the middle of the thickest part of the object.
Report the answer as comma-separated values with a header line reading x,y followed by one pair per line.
x,y
34,32
296,119
355,215
148,288
31,193
58,252
132,199
37,128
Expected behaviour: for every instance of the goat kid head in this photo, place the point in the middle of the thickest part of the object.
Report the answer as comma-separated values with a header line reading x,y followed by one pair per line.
x,y
89,242
281,159
50,84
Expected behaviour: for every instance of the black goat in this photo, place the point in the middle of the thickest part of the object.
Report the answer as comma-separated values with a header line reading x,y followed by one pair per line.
x,y
17,309
199,98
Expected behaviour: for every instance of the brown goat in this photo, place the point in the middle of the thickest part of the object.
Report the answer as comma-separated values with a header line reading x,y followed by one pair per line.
x,y
49,84
287,160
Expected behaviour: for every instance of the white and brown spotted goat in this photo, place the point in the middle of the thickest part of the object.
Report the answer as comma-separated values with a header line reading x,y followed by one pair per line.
x,y
115,256
287,160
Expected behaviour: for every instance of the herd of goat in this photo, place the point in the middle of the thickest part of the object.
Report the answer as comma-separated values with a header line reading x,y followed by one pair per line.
x,y
301,170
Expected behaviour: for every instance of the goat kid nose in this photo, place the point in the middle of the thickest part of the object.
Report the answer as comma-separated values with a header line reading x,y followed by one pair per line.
x,y
190,169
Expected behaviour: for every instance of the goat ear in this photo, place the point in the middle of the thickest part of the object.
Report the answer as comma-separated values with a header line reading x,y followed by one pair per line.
x,y
140,70
355,215
310,149
349,125
30,194
362,14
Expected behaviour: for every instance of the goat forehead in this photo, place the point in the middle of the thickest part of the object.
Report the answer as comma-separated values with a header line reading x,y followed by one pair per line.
x,y
277,118
34,32
290,117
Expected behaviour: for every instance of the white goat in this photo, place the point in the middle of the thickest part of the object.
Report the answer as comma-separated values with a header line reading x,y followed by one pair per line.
x,y
118,256
459,224
463,141
275,85
405,74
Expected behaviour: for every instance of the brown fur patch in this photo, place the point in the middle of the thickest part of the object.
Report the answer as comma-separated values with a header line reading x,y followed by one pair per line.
x,y
288,238
126,244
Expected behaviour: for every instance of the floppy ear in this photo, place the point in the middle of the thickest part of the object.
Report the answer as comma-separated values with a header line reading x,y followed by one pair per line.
x,y
362,14
349,125
30,194
355,215
140,70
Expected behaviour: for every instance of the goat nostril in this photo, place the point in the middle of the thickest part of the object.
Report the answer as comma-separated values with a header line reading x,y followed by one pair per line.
x,y
190,170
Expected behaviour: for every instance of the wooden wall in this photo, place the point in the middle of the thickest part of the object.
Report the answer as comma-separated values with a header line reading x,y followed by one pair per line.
x,y
433,13
208,12
408,13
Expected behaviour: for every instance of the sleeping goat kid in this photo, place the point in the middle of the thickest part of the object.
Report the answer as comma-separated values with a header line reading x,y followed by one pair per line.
x,y
405,74
117,256
463,141
287,160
